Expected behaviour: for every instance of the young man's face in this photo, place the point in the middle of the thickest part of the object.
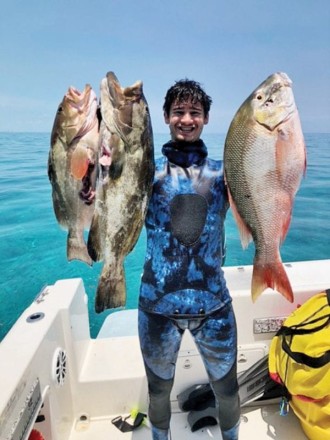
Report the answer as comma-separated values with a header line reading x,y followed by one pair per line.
x,y
186,121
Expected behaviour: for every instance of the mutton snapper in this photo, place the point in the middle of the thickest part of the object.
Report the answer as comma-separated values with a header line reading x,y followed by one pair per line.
x,y
264,161
72,167
126,170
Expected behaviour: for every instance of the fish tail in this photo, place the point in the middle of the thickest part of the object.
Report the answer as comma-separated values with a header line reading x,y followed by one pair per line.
x,y
77,250
273,276
111,289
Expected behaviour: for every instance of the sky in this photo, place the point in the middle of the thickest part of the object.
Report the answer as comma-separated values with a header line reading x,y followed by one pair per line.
x,y
229,46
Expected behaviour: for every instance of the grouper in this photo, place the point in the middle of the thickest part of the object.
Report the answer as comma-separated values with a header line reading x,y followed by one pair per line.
x,y
125,177
72,167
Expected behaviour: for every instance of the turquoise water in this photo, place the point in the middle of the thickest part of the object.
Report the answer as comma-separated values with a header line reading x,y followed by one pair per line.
x,y
33,246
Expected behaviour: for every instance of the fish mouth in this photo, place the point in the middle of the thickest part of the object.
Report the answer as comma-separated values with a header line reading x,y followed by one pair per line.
x,y
76,97
122,101
278,104
105,161
78,115
87,193
284,79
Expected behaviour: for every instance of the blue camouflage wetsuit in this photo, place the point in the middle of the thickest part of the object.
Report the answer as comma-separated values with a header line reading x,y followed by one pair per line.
x,y
183,285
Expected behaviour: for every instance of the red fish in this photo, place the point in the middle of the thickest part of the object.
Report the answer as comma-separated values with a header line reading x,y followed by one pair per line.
x,y
264,161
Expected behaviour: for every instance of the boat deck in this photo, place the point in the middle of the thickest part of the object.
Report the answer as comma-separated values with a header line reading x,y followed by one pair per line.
x,y
56,379
261,423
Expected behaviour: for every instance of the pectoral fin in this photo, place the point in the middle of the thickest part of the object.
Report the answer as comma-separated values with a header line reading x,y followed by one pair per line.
x,y
79,162
244,231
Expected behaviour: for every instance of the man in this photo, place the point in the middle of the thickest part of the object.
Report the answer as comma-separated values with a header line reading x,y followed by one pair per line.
x,y
183,286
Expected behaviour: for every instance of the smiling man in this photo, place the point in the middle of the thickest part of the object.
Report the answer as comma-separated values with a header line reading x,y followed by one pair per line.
x,y
186,119
183,285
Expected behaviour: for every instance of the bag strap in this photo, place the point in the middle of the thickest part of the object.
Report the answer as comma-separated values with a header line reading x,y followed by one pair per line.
x,y
302,358
300,330
327,291
122,424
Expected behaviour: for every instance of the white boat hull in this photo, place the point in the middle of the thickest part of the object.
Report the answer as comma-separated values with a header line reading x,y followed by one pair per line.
x,y
50,366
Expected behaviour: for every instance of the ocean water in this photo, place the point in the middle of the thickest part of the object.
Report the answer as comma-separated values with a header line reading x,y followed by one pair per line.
x,y
33,246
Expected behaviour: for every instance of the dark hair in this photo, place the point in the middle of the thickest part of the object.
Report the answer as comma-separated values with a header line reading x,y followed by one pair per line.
x,y
185,90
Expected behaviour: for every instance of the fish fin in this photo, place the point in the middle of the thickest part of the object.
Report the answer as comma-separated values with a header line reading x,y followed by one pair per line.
x,y
115,90
271,275
245,233
77,249
79,162
50,168
305,163
116,169
118,157
94,245
111,289
285,226
112,156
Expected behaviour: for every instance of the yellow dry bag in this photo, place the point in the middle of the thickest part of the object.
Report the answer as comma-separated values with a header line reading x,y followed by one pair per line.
x,y
299,359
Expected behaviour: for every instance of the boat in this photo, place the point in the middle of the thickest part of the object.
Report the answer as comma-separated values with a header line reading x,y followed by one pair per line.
x,y
62,384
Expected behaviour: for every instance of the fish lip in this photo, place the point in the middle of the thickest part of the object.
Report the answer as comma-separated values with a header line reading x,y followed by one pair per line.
x,y
283,82
84,102
77,98
117,102
279,85
122,103
284,78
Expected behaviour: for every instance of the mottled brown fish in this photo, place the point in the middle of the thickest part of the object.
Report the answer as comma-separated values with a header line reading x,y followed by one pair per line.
x,y
264,161
126,170
72,167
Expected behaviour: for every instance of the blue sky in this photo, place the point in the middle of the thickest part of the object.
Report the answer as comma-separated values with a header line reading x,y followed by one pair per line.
x,y
229,46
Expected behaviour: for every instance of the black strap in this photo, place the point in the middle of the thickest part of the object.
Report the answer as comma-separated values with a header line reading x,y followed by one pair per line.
x,y
302,358
327,291
124,426
300,330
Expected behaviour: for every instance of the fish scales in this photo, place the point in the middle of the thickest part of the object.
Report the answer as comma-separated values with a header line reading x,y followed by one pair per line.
x,y
125,181
264,160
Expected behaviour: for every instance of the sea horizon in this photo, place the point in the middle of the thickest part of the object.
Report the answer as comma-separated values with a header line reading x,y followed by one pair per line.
x,y
33,246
